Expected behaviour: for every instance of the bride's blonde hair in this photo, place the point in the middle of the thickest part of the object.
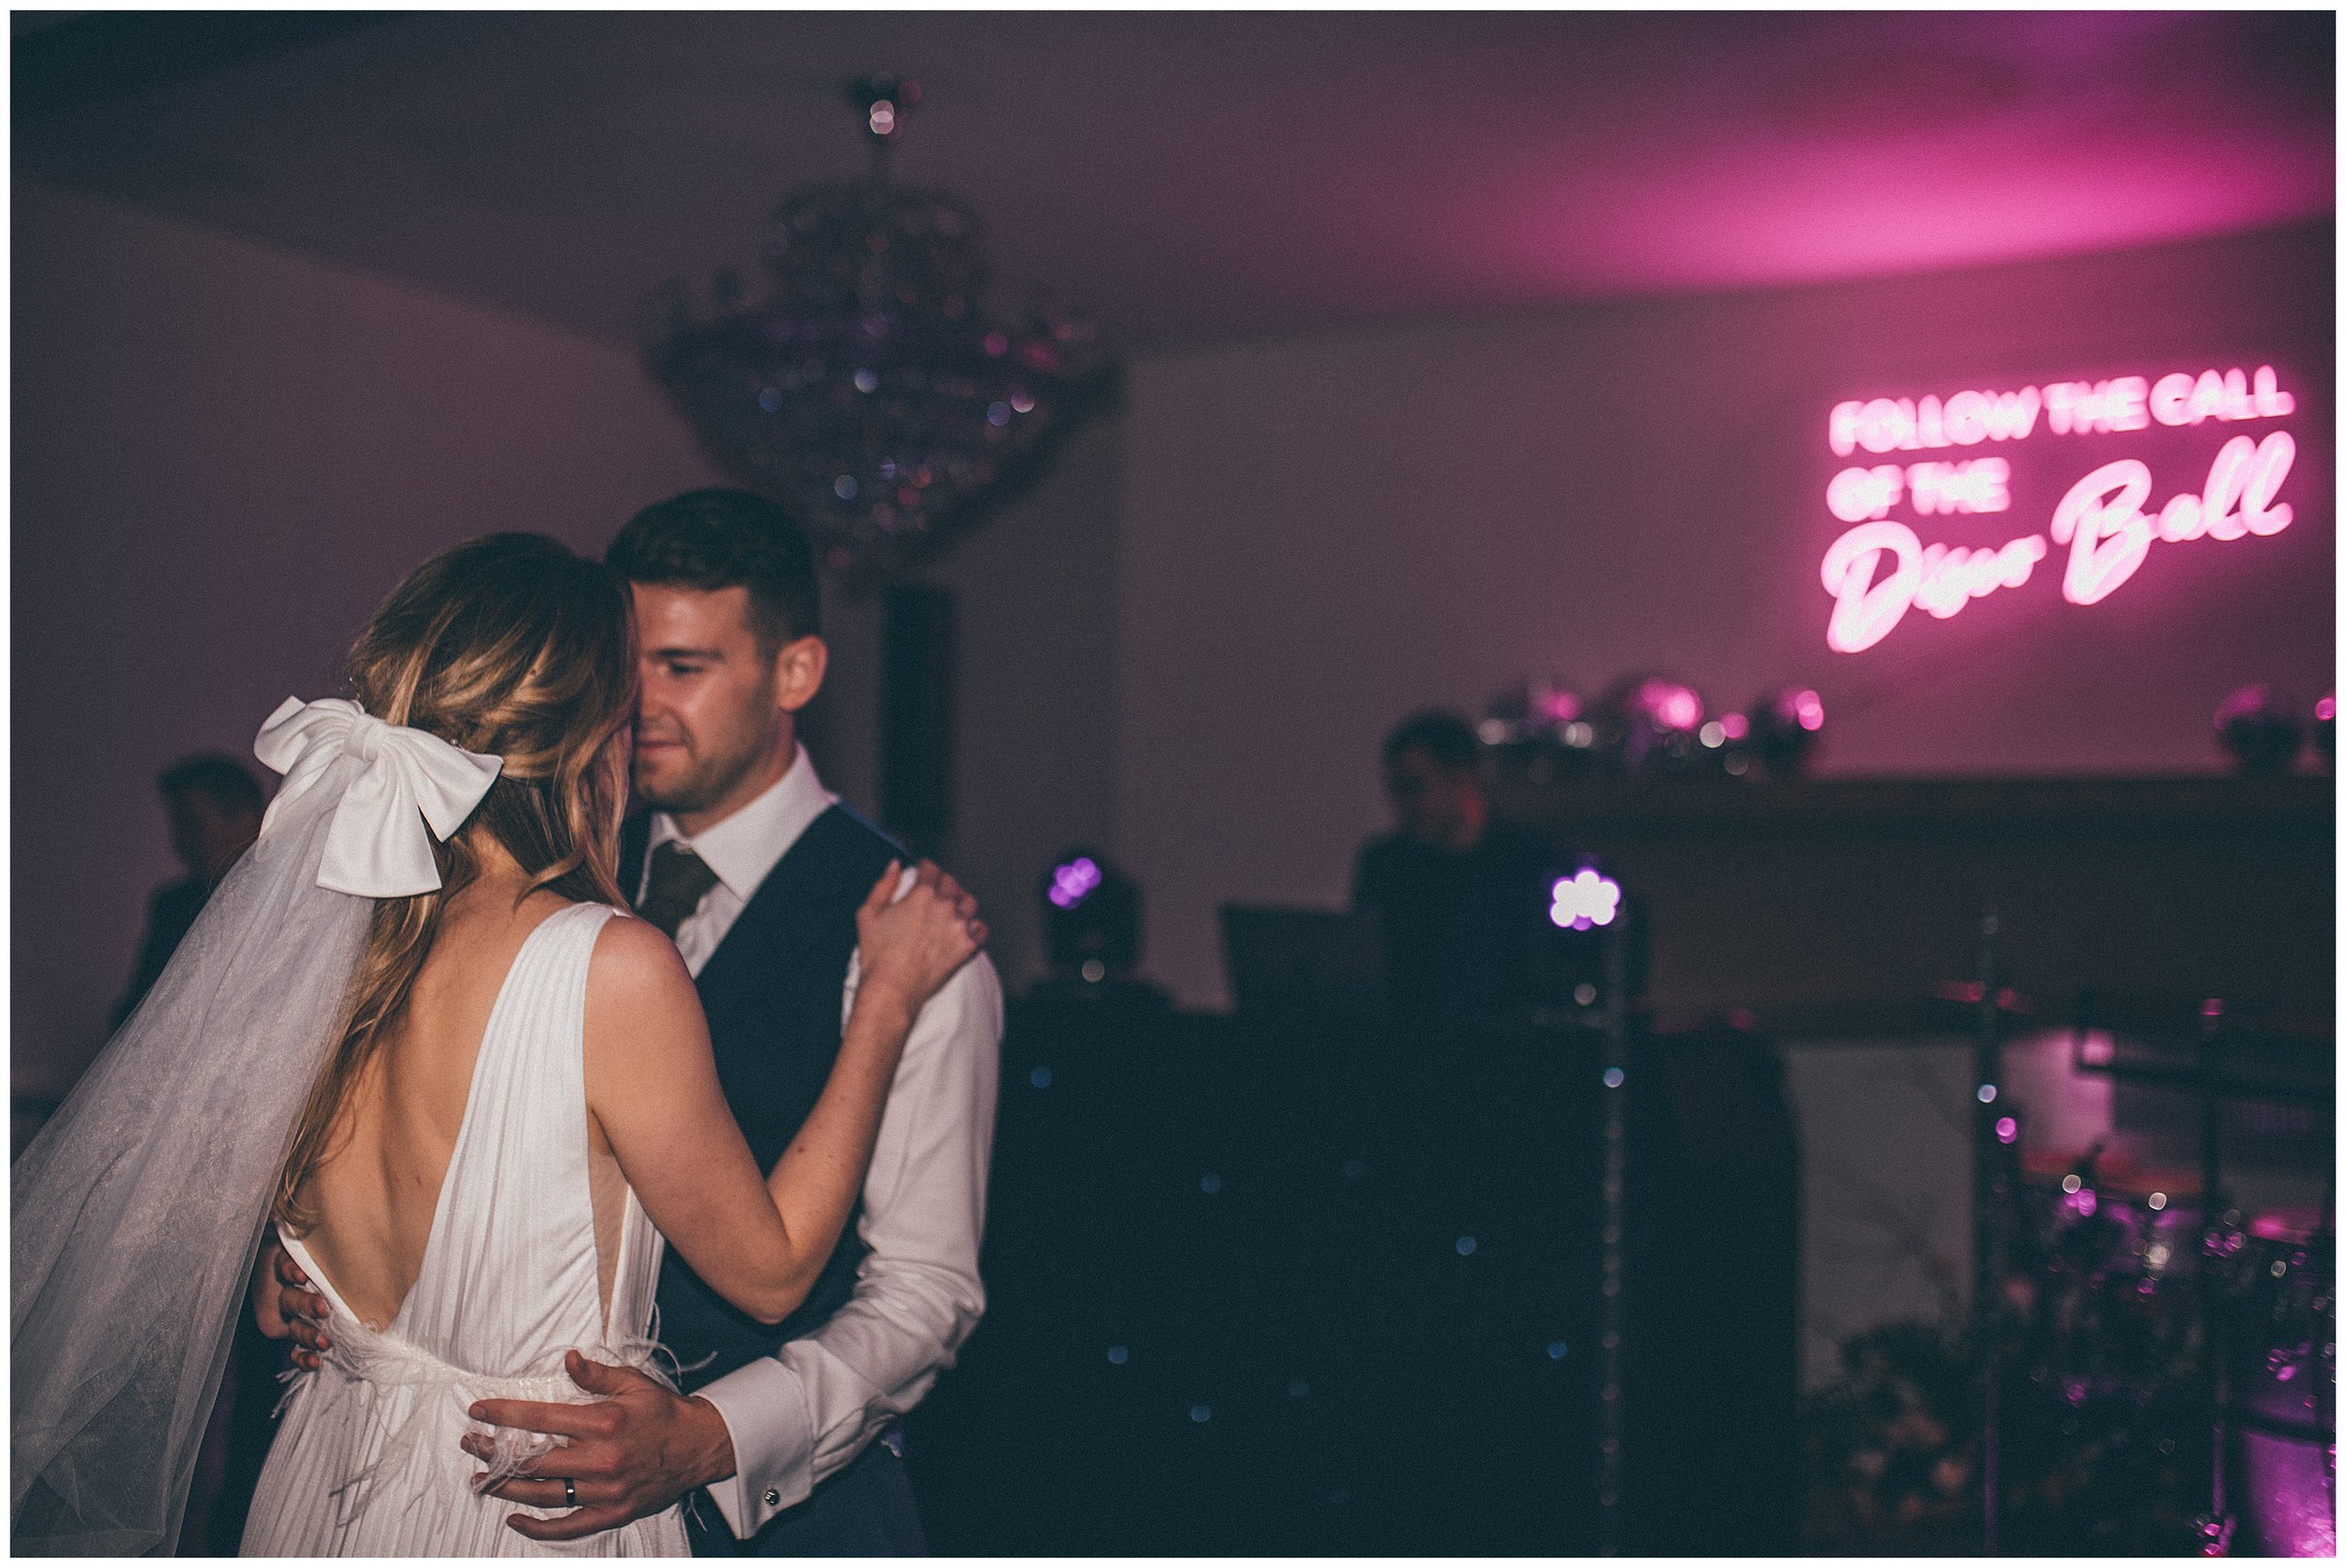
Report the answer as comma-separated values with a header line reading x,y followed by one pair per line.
x,y
511,646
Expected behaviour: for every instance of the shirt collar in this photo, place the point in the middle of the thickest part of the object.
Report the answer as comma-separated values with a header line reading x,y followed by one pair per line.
x,y
743,847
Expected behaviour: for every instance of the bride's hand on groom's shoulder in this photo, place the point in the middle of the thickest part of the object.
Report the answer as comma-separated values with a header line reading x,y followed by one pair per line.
x,y
913,943
638,1447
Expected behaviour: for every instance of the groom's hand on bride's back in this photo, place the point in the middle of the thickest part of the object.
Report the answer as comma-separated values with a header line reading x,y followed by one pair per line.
x,y
639,1447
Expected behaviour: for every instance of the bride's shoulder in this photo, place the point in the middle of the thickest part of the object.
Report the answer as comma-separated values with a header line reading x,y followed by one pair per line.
x,y
632,956
641,1006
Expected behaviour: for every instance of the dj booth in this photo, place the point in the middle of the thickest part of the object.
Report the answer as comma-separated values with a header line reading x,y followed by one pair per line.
x,y
1305,1279
1302,1284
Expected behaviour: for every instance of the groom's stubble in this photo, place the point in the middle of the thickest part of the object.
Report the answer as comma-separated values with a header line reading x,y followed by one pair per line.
x,y
715,720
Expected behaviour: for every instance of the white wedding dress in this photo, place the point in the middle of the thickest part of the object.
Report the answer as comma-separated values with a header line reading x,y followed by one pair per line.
x,y
366,1460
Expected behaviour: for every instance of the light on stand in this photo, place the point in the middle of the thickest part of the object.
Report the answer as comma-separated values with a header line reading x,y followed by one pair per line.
x,y
1583,900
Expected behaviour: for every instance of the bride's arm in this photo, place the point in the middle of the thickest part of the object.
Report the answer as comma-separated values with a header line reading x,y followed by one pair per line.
x,y
651,1086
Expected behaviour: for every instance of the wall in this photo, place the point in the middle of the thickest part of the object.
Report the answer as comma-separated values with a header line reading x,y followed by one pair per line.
x,y
1321,535
224,457
1186,640
1034,701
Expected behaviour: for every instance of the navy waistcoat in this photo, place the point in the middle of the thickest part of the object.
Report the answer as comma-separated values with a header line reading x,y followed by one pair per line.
x,y
772,992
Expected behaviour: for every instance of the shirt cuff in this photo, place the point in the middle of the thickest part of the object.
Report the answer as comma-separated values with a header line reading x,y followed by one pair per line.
x,y
763,1410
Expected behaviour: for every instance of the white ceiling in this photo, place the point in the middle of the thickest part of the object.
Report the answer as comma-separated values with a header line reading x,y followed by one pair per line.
x,y
1198,176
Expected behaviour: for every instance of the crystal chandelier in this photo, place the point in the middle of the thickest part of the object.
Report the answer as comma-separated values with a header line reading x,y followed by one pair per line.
x,y
868,391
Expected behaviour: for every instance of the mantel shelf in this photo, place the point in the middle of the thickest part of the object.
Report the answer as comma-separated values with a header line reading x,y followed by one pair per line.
x,y
1836,893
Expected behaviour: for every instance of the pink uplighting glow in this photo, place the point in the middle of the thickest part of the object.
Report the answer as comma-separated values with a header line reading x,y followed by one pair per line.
x,y
1584,899
1073,882
1880,568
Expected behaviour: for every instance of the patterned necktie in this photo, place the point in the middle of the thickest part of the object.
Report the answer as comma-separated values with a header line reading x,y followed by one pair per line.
x,y
679,877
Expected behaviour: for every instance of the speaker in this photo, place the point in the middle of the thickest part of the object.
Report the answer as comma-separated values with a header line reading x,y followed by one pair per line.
x,y
917,674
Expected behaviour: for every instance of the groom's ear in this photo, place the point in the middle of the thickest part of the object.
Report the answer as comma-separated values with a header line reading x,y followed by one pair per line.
x,y
799,668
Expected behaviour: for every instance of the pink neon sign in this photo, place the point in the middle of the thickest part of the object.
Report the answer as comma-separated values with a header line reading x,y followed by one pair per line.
x,y
1880,568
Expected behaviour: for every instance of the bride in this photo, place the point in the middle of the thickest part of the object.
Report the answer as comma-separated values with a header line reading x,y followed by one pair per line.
x,y
409,1034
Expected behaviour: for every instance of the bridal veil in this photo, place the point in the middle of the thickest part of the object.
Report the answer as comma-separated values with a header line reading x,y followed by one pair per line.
x,y
138,1212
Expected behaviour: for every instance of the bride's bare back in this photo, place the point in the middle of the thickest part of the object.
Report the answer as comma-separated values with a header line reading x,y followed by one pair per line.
x,y
657,1120
379,1190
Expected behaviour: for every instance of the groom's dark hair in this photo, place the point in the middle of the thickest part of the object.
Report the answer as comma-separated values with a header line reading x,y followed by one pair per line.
x,y
722,539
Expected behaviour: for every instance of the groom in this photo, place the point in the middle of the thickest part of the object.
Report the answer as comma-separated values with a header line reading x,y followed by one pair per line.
x,y
756,871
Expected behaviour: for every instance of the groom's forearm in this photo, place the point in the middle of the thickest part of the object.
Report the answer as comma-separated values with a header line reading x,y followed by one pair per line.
x,y
802,1414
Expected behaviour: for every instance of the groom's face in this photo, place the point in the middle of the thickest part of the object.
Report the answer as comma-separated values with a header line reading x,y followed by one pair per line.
x,y
713,725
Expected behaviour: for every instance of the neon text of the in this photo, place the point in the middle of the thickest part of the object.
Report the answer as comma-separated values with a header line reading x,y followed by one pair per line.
x,y
1858,495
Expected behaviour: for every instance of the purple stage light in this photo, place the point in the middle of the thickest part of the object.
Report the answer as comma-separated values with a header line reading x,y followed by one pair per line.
x,y
2006,1129
1072,883
1583,900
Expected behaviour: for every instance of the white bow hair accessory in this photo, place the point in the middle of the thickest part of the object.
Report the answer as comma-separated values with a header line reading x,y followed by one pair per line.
x,y
377,847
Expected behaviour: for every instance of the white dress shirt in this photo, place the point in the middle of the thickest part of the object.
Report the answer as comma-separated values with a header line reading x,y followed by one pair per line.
x,y
798,1417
